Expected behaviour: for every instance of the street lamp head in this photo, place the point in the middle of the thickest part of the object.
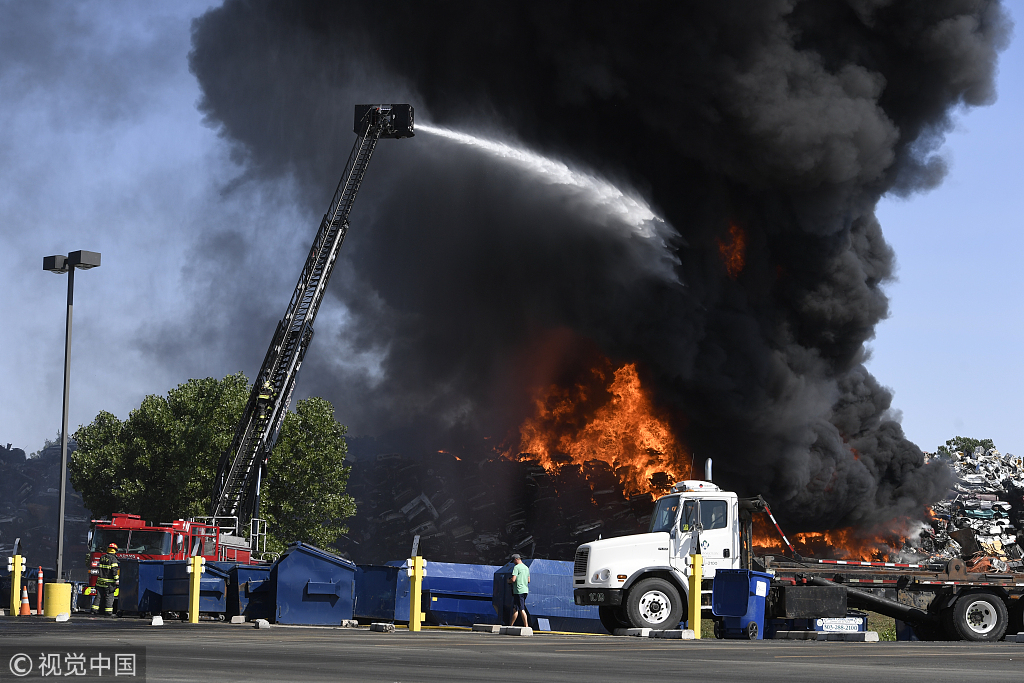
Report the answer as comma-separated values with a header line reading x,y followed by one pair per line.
x,y
55,264
76,259
84,259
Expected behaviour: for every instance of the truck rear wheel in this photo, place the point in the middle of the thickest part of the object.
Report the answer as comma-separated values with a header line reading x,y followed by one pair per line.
x,y
980,617
613,618
654,604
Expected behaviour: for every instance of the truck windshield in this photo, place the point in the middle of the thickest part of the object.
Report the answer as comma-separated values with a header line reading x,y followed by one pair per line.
x,y
664,517
150,542
101,538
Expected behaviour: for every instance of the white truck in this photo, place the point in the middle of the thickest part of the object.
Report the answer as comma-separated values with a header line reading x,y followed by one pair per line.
x,y
642,580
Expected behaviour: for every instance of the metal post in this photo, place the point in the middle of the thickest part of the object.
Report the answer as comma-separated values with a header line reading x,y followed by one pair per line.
x,y
64,426
196,568
696,573
15,566
416,616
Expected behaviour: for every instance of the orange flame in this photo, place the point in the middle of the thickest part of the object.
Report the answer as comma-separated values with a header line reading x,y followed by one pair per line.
x,y
839,544
734,251
625,432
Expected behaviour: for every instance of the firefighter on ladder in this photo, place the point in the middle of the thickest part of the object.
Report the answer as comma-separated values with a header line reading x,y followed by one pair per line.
x,y
107,581
265,395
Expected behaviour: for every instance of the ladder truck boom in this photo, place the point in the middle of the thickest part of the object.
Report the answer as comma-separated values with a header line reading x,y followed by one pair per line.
x,y
242,467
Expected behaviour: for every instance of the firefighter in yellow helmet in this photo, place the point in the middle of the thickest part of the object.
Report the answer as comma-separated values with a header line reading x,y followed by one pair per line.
x,y
263,400
107,581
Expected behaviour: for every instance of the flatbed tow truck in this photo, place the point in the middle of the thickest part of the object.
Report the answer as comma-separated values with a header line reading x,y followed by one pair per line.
x,y
642,580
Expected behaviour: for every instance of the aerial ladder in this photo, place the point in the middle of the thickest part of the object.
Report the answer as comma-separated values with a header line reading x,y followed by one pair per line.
x,y
242,468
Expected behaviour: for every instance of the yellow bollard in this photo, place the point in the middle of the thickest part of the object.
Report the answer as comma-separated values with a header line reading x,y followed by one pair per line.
x,y
696,575
196,570
417,568
15,565
57,599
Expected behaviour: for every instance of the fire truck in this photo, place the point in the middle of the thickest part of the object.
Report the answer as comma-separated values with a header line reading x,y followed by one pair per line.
x,y
235,500
178,540
642,580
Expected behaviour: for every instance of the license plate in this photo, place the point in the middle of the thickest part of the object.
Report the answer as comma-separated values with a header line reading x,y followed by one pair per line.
x,y
597,597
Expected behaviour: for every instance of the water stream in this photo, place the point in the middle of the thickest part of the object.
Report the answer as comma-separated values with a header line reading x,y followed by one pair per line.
x,y
628,208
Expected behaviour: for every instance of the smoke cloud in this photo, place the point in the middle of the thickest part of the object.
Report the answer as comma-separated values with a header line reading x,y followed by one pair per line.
x,y
467,280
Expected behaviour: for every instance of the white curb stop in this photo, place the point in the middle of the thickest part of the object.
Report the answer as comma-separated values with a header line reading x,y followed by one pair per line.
x,y
857,637
487,628
637,632
675,634
516,631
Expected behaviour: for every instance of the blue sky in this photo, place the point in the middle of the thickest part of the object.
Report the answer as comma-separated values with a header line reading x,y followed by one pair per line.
x,y
102,148
951,348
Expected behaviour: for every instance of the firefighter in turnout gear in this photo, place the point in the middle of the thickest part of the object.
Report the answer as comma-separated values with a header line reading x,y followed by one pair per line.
x,y
263,400
107,581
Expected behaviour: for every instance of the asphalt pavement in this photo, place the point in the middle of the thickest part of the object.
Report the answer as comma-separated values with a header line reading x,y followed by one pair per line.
x,y
226,652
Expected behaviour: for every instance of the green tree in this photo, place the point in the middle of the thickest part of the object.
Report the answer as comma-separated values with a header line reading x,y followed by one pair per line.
x,y
305,488
160,462
965,445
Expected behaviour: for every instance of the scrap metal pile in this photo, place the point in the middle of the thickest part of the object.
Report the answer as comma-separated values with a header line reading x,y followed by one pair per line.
x,y
30,507
981,518
481,512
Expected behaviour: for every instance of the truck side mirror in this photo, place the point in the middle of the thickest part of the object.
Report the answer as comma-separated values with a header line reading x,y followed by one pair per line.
x,y
673,532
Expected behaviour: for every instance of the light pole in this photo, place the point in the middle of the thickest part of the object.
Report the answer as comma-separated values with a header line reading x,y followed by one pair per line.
x,y
67,264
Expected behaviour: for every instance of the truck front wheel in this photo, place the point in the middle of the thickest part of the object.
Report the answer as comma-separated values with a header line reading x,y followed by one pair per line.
x,y
655,604
980,617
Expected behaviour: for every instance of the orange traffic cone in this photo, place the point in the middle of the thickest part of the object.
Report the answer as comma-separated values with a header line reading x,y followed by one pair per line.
x,y
26,610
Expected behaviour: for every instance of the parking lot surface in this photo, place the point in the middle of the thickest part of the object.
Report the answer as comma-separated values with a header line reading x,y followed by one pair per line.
x,y
226,652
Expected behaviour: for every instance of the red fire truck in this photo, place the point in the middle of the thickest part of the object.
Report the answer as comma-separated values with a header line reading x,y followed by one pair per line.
x,y
178,540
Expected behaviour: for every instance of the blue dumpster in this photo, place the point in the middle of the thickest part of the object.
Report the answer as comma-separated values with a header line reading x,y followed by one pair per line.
x,y
141,587
453,594
249,593
376,593
456,594
550,605
311,586
738,595
212,588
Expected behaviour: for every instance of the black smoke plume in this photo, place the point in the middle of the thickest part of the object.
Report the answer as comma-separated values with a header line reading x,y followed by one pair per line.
x,y
788,120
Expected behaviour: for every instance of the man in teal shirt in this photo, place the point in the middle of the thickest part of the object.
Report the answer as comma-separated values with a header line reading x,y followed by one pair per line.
x,y
520,581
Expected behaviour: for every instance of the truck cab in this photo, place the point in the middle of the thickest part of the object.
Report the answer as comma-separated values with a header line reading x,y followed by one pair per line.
x,y
642,580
